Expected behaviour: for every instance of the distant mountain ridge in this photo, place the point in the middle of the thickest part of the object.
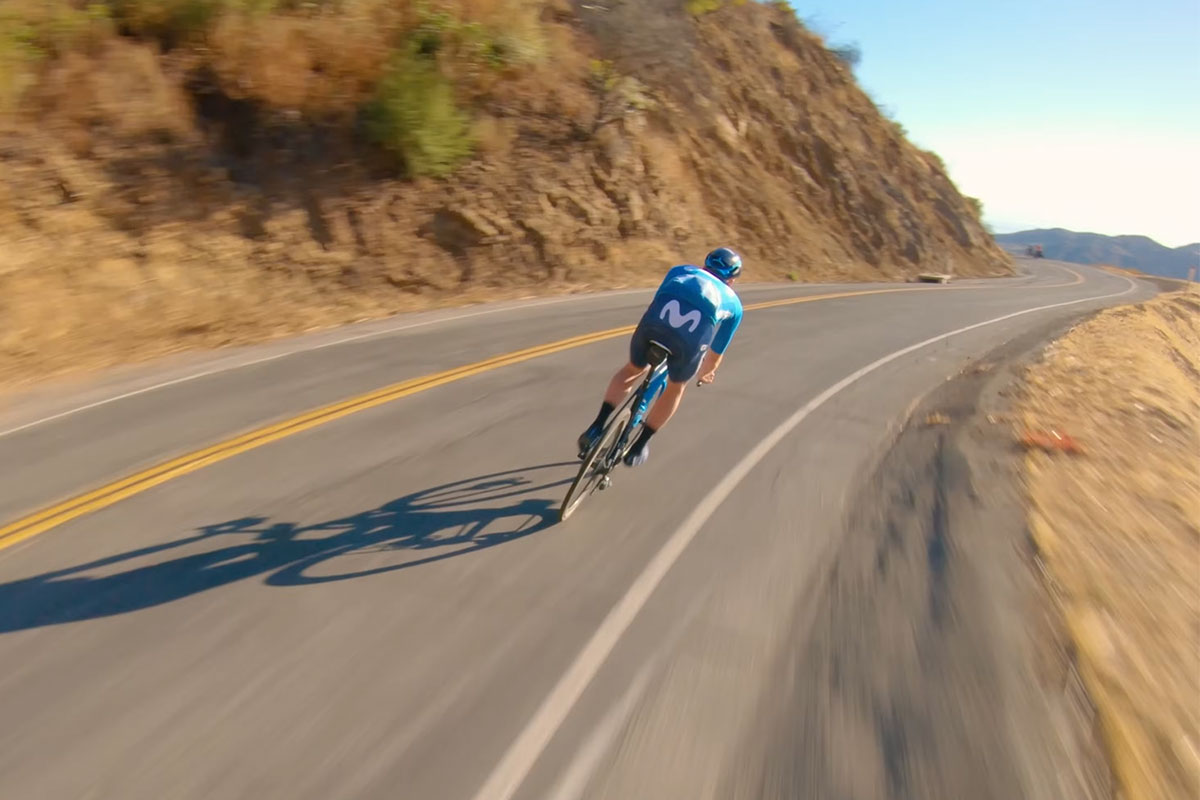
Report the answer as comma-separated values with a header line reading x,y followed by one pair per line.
x,y
1134,252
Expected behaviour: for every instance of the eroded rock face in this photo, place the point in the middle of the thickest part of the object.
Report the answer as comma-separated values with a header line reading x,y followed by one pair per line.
x,y
125,188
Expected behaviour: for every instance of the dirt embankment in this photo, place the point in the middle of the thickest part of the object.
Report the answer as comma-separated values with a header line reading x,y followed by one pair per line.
x,y
1118,528
172,179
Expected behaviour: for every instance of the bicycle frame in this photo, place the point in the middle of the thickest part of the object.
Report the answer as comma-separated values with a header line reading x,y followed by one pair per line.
x,y
652,386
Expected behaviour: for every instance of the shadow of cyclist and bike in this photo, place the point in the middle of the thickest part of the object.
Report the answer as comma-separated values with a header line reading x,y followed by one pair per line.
x,y
421,528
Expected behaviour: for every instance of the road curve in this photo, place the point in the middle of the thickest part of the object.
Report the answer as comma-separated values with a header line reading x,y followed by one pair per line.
x,y
378,604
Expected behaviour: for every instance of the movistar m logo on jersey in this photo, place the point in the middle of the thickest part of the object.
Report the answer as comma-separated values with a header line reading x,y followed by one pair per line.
x,y
672,312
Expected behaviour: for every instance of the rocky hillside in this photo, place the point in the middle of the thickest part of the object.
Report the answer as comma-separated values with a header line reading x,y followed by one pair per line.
x,y
1133,252
181,173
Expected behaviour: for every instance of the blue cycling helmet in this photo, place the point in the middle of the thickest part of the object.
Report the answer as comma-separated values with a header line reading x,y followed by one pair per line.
x,y
724,263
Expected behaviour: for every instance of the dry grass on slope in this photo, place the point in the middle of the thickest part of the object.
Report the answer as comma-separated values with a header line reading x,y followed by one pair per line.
x,y
416,67
175,182
1119,529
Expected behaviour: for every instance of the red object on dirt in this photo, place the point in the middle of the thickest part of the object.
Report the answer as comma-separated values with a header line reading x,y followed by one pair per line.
x,y
1051,441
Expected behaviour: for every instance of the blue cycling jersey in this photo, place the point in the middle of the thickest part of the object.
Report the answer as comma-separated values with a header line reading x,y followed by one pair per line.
x,y
704,291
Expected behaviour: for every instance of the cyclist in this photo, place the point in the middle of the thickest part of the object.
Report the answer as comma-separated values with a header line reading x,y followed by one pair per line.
x,y
694,313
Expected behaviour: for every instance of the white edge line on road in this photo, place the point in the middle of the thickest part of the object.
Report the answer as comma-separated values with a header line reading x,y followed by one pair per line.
x,y
298,351
574,781
512,769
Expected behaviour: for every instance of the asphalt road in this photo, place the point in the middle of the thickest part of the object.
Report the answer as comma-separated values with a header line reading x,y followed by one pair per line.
x,y
381,606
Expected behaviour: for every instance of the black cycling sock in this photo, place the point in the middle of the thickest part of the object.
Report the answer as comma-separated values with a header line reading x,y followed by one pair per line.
x,y
647,432
606,409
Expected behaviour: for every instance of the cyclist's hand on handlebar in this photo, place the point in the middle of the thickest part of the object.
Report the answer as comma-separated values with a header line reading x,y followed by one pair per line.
x,y
707,378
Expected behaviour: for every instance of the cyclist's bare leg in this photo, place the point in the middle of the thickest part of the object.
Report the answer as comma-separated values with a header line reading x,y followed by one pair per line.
x,y
623,382
618,388
666,405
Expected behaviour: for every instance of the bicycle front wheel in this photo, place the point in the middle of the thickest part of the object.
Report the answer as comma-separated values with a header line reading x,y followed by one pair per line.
x,y
595,464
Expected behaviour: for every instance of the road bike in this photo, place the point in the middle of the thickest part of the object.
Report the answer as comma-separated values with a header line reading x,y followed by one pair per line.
x,y
623,428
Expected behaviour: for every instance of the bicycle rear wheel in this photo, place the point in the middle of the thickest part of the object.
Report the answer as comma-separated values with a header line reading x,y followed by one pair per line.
x,y
596,464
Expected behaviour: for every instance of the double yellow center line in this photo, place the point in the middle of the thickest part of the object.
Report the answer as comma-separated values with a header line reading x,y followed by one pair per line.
x,y
112,493
135,484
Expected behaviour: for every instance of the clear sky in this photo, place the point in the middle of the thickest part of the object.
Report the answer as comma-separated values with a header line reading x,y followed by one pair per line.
x,y
1055,113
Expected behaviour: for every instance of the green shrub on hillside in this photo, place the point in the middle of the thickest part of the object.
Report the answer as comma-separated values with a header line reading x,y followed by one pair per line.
x,y
18,56
414,115
60,27
512,34
40,29
515,39
175,21
700,7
